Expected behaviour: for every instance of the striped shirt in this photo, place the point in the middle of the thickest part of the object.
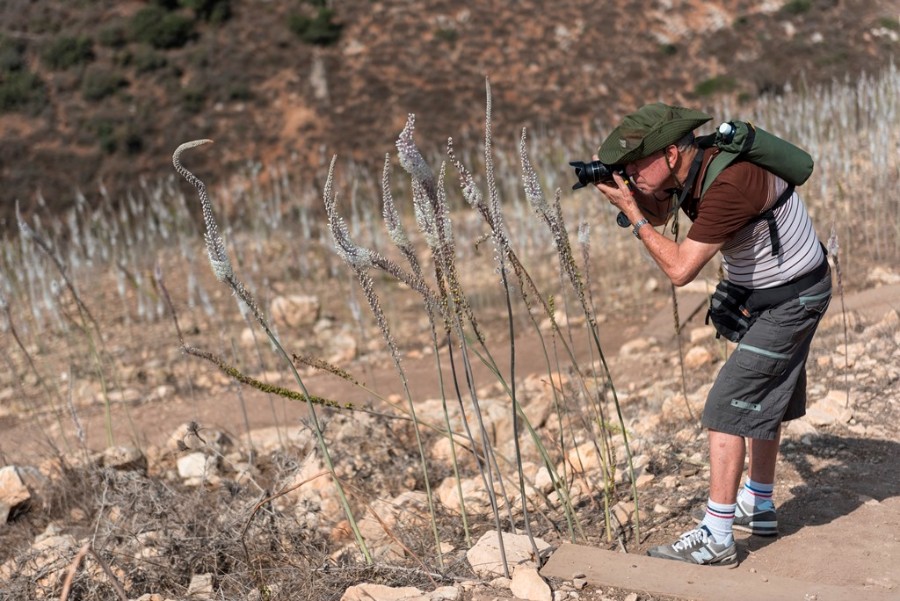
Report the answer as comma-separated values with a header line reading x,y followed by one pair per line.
x,y
729,212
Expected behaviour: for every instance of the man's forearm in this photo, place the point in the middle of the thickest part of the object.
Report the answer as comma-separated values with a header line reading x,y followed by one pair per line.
x,y
681,262
665,253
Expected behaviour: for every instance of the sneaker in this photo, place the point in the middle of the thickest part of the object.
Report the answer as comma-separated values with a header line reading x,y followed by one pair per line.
x,y
762,522
698,547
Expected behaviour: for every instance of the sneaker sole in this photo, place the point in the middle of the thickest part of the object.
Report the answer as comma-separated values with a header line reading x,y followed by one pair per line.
x,y
729,562
755,527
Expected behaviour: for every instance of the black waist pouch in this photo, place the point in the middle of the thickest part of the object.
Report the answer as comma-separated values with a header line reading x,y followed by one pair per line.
x,y
728,311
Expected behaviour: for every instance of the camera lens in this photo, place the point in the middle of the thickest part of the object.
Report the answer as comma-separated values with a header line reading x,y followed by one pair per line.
x,y
591,173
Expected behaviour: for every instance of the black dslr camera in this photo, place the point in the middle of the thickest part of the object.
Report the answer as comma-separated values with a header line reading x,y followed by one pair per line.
x,y
597,172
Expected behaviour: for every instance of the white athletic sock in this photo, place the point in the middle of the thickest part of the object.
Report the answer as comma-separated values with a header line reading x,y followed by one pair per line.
x,y
718,520
754,494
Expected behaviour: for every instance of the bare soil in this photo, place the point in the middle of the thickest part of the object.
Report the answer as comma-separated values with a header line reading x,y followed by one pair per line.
x,y
838,491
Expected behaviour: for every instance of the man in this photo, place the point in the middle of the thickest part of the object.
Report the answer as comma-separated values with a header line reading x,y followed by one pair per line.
x,y
763,382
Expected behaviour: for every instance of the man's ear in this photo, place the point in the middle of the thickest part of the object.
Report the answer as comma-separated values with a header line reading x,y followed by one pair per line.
x,y
672,155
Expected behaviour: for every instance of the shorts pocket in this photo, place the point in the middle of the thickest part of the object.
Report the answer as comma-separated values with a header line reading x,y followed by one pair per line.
x,y
816,303
761,361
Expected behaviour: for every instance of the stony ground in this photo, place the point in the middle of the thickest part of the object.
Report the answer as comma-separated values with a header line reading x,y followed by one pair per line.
x,y
186,513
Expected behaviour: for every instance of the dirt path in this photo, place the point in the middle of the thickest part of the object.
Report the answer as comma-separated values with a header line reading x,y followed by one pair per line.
x,y
839,496
154,421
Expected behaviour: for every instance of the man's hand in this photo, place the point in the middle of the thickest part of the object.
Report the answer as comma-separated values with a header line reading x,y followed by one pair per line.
x,y
621,196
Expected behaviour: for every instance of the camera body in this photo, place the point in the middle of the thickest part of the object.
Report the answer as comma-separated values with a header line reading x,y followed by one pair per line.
x,y
595,172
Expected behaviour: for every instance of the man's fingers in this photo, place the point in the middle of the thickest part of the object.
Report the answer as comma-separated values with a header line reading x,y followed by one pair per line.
x,y
620,181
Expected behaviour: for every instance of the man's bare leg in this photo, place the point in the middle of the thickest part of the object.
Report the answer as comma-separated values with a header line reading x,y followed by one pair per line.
x,y
726,464
713,541
763,457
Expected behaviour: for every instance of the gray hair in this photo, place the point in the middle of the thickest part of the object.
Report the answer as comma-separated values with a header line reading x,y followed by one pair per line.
x,y
685,142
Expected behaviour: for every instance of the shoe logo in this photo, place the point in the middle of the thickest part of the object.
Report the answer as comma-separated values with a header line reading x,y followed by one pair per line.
x,y
702,555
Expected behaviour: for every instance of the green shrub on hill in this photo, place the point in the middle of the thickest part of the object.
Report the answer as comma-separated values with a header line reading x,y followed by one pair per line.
x,y
12,55
161,29
115,137
321,29
796,7
113,36
193,98
106,135
100,83
146,60
214,11
67,51
21,90
715,85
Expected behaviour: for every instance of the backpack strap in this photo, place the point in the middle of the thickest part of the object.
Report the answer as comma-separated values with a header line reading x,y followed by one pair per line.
x,y
769,216
727,156
703,142
723,160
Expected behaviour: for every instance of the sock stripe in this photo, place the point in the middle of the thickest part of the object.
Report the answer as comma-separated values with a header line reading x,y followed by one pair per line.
x,y
763,494
719,519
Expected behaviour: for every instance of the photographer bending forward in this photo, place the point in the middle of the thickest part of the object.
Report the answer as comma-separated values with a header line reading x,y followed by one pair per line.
x,y
774,257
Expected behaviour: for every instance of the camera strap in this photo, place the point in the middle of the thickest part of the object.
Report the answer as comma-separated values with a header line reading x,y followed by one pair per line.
x,y
689,182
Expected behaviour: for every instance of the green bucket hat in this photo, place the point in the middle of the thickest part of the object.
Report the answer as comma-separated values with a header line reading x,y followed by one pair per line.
x,y
649,129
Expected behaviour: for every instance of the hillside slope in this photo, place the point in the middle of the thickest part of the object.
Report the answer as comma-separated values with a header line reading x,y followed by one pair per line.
x,y
114,113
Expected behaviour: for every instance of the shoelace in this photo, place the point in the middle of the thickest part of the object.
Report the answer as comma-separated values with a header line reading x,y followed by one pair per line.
x,y
691,539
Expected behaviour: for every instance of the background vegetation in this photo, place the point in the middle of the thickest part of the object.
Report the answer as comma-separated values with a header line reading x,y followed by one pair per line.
x,y
300,80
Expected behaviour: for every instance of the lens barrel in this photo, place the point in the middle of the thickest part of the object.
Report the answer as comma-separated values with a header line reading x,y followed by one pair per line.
x,y
591,173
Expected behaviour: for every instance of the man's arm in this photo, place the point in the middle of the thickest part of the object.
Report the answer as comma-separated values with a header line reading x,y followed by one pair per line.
x,y
681,262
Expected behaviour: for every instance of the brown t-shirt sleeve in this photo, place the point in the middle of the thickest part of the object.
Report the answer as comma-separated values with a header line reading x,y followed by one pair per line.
x,y
740,193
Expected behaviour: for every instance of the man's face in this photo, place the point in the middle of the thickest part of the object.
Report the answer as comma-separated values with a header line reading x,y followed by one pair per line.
x,y
650,174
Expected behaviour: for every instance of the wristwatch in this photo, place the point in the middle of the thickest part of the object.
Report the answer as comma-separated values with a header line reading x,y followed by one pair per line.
x,y
638,226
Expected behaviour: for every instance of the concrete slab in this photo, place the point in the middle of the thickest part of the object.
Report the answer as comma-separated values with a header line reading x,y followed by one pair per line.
x,y
641,573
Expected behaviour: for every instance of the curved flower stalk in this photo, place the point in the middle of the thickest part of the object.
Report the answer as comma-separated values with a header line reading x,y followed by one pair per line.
x,y
432,218
221,265
392,221
553,219
834,251
215,246
360,260
501,251
398,236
